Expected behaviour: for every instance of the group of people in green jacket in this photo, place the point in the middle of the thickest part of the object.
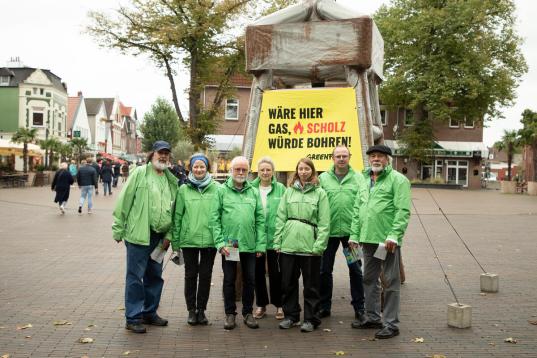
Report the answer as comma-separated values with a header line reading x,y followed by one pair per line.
x,y
293,231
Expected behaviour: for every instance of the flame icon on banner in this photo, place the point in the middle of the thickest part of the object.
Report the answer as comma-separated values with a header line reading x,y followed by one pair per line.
x,y
299,128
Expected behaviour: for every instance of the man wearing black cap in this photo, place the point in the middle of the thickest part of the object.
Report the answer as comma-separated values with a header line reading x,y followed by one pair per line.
x,y
381,214
143,219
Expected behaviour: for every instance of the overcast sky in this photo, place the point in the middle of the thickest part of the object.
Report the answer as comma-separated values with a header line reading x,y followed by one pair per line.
x,y
49,34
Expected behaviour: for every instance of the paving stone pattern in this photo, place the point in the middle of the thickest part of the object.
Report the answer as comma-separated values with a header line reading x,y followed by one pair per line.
x,y
56,267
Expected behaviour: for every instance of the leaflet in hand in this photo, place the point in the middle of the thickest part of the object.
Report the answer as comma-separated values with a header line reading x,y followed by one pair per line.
x,y
178,258
158,254
233,249
381,252
352,254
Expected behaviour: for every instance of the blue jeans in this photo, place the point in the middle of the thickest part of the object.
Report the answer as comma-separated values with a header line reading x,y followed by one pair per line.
x,y
107,187
86,191
355,276
144,282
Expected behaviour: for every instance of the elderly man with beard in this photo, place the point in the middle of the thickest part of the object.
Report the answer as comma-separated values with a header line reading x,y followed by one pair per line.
x,y
381,214
143,220
238,221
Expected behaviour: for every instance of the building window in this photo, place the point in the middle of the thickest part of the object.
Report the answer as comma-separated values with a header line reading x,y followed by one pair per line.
x,y
468,123
232,109
409,117
457,172
41,91
37,119
453,123
4,80
439,168
59,128
384,117
34,90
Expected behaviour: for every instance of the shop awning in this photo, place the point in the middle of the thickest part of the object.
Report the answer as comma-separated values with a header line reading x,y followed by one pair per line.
x,y
9,148
448,148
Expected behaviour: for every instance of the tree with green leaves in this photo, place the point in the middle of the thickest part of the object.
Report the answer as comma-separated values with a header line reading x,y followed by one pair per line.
x,y
79,146
160,123
528,136
65,150
510,144
25,136
449,58
51,146
188,34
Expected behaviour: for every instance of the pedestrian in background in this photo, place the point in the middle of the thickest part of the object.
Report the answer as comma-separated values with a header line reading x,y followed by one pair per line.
x,y
193,235
340,183
62,185
107,174
97,169
302,228
380,219
73,169
87,180
117,173
180,172
124,172
239,223
143,220
271,191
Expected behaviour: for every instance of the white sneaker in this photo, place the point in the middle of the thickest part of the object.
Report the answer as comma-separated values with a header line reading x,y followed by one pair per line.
x,y
62,209
89,211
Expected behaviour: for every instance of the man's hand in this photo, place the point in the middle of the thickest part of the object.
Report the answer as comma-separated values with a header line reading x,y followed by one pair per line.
x,y
390,246
165,244
353,245
118,241
258,254
224,251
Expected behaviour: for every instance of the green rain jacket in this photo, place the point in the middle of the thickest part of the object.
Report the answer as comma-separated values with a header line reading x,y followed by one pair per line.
x,y
131,214
238,215
273,201
191,227
382,212
303,221
341,195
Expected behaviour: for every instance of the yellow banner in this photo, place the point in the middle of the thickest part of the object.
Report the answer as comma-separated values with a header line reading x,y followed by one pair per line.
x,y
307,123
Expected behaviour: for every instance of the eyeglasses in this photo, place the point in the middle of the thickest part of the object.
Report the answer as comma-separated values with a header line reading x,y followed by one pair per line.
x,y
240,170
342,156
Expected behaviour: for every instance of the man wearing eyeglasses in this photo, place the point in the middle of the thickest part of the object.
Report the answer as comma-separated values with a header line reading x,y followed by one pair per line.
x,y
238,221
341,186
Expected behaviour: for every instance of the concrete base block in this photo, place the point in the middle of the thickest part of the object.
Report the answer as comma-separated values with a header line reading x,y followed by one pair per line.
x,y
490,282
459,315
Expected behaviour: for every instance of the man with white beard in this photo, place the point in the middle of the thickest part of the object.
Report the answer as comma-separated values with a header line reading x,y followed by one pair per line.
x,y
143,220
380,219
238,223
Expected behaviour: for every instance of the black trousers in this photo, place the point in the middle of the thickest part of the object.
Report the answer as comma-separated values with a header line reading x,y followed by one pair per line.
x,y
327,281
275,280
292,266
248,283
198,263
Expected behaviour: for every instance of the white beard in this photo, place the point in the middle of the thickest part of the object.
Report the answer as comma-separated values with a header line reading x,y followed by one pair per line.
x,y
239,180
159,166
377,169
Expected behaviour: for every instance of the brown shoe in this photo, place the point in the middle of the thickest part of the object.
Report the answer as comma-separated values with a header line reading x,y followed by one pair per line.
x,y
279,314
260,312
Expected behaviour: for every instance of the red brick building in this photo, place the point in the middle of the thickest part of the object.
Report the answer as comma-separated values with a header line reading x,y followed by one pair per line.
x,y
457,157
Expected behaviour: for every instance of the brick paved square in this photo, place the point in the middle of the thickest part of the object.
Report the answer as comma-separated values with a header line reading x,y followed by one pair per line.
x,y
68,267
